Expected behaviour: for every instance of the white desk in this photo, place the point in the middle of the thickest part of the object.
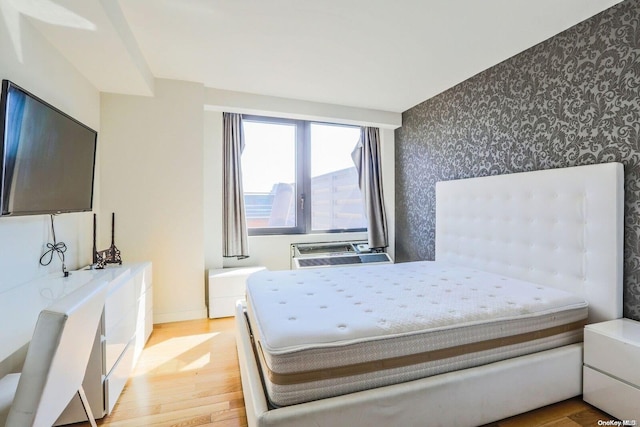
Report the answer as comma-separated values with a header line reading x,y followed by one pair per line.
x,y
21,305
124,329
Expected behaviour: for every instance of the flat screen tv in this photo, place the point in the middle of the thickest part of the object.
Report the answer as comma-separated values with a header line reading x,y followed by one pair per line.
x,y
47,158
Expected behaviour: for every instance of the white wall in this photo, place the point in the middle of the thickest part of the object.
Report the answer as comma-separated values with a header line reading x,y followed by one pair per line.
x,y
248,103
212,189
273,251
162,175
29,61
159,168
152,178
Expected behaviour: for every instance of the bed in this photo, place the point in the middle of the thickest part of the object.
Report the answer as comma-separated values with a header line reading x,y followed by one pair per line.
x,y
557,231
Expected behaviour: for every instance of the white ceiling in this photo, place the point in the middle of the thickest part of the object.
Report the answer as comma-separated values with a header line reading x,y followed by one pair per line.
x,y
380,54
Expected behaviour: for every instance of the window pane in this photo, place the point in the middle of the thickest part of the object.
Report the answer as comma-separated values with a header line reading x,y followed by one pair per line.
x,y
336,201
268,174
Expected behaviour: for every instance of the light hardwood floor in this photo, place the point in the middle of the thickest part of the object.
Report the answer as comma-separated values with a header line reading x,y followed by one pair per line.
x,y
188,375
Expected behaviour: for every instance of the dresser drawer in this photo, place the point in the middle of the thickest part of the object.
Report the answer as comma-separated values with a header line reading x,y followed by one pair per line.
x,y
118,338
229,282
609,351
615,397
120,301
117,378
148,319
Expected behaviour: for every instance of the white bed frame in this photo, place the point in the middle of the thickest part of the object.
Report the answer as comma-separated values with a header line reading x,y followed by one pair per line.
x,y
559,227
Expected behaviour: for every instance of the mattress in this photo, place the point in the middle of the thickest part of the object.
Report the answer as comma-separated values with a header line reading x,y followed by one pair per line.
x,y
326,332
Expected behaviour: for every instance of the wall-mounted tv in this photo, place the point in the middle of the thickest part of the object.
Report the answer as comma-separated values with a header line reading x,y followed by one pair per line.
x,y
47,158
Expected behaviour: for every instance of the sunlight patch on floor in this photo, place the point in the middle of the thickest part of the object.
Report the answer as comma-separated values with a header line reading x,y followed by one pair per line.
x,y
177,354
201,362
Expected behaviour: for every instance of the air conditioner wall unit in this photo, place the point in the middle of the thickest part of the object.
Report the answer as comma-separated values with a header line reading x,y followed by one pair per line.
x,y
335,254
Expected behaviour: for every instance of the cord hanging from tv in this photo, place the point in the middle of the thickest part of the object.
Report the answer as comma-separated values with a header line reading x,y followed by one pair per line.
x,y
56,247
110,255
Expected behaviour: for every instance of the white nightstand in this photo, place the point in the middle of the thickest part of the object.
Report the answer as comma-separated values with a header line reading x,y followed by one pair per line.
x,y
611,371
226,286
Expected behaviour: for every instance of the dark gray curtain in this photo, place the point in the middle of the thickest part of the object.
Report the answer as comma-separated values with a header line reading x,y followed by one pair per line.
x,y
235,223
367,159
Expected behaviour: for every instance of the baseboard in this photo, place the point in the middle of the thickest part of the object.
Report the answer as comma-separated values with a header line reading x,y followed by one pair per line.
x,y
179,316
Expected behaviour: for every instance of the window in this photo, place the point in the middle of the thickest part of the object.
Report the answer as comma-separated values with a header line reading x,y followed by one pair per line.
x,y
298,177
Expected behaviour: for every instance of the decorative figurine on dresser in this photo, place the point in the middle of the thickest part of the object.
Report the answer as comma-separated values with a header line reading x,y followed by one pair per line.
x,y
106,256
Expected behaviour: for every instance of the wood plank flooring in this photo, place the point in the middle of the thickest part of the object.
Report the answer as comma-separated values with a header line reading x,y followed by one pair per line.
x,y
188,375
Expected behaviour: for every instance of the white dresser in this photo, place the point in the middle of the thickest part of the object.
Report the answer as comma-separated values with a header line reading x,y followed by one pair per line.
x,y
127,323
612,368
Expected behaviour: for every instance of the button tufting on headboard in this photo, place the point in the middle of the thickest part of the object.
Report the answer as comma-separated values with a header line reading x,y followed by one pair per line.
x,y
561,227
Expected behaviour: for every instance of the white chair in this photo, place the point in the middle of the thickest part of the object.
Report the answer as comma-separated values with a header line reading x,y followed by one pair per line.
x,y
56,361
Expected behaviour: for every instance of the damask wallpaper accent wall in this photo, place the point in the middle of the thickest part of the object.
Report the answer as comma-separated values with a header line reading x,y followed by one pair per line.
x,y
571,100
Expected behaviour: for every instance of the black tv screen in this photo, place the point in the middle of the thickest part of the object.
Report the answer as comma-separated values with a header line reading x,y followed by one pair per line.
x,y
47,157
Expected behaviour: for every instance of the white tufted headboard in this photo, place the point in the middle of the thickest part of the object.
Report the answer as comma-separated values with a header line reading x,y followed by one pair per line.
x,y
557,227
